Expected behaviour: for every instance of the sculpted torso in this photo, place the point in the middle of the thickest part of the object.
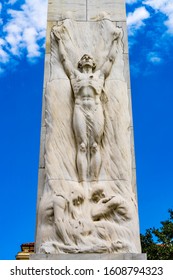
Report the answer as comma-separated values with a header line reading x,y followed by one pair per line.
x,y
87,88
88,121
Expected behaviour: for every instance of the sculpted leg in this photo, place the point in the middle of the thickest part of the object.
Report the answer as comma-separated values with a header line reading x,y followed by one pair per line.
x,y
82,163
80,131
95,163
95,141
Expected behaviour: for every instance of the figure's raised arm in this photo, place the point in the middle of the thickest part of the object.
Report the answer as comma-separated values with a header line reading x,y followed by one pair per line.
x,y
67,64
107,65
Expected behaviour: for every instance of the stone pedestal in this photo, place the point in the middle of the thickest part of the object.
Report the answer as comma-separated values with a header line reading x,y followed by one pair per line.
x,y
128,256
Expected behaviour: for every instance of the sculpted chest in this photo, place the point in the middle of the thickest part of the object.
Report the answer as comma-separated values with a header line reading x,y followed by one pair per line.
x,y
83,80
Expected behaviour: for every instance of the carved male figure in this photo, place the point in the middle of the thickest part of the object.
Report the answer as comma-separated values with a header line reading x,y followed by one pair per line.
x,y
88,116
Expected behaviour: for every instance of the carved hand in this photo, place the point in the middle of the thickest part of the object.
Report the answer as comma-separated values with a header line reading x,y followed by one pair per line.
x,y
56,32
116,34
60,32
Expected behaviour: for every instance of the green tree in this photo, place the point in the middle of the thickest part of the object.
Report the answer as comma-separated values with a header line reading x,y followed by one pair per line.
x,y
162,249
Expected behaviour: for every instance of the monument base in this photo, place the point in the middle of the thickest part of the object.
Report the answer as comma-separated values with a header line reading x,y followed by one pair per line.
x,y
125,256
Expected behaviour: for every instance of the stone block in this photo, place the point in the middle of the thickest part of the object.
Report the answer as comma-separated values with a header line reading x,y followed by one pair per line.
x,y
49,27
46,70
57,8
126,70
132,149
41,181
42,147
116,9
134,183
123,25
128,256
43,110
130,103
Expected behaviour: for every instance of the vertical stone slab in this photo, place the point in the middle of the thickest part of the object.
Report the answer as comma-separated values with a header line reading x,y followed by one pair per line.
x,y
115,8
76,7
87,26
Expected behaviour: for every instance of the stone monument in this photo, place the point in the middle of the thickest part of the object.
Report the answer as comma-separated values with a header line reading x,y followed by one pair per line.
x,y
87,192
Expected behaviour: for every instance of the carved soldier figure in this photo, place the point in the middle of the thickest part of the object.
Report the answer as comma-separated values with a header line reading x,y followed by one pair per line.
x,y
88,116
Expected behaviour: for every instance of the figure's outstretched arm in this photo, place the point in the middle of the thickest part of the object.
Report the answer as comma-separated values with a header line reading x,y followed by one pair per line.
x,y
107,65
67,64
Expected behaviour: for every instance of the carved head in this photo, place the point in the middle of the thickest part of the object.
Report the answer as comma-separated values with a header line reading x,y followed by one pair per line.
x,y
77,196
97,195
86,60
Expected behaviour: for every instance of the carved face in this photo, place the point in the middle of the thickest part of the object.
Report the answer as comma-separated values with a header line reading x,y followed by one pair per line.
x,y
86,60
97,195
77,197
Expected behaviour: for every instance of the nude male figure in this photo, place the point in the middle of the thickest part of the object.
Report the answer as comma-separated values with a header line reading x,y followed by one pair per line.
x,y
88,116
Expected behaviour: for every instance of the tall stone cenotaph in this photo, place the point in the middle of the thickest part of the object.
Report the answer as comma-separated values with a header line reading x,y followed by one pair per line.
x,y
87,205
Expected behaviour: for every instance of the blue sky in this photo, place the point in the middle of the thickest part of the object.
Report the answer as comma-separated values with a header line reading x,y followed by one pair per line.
x,y
22,28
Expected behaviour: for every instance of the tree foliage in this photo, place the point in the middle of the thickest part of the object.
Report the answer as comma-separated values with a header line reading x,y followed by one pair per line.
x,y
162,248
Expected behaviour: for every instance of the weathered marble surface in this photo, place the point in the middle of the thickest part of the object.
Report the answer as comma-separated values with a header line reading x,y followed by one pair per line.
x,y
108,256
87,10
86,214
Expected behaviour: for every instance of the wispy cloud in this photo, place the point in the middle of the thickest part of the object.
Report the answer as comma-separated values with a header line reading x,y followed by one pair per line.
x,y
11,2
136,19
4,57
150,29
143,10
131,1
154,58
23,32
165,7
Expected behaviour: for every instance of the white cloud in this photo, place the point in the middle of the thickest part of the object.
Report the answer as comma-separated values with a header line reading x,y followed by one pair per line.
x,y
135,20
154,58
12,2
165,7
131,1
155,19
24,31
157,4
4,57
29,36
26,27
